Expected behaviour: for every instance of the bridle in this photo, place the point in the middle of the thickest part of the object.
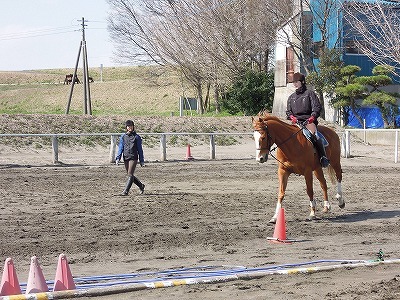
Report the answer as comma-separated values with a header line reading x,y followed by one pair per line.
x,y
269,142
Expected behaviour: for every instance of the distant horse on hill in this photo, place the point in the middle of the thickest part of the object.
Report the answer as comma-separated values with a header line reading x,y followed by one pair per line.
x,y
68,79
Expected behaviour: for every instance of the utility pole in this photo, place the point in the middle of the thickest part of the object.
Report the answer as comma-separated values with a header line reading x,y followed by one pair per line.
x,y
87,105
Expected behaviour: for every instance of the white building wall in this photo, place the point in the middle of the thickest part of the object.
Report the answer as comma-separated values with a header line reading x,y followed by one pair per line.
x,y
282,91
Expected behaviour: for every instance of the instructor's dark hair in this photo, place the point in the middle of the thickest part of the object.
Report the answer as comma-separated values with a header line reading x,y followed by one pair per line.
x,y
129,123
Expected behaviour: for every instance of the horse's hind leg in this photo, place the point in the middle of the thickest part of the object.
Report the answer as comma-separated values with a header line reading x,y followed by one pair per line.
x,y
335,172
339,195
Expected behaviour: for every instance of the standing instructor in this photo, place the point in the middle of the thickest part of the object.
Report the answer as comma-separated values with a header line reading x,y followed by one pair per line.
x,y
130,146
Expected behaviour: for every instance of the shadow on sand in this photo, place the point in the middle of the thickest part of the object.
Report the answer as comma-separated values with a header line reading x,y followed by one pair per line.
x,y
366,215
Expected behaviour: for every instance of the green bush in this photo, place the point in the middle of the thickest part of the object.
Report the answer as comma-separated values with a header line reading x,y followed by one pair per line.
x,y
250,94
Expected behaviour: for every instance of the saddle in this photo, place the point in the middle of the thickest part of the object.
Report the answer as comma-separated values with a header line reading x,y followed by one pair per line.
x,y
308,134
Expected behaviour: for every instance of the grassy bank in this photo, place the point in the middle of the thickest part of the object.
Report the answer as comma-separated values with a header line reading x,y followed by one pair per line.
x,y
35,102
115,91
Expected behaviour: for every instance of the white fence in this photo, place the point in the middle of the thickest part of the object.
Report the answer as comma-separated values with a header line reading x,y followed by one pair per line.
x,y
115,136
366,134
373,136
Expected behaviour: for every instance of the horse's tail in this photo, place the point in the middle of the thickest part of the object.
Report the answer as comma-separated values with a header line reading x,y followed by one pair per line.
x,y
332,175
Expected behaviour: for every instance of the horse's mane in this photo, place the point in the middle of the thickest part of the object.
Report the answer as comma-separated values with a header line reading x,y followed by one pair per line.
x,y
264,116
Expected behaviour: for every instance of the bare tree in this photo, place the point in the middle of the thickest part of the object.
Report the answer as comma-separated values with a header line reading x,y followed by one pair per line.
x,y
209,41
375,30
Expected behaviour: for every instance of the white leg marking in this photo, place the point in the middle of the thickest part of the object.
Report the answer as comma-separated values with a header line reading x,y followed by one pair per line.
x,y
339,191
313,203
339,196
339,188
278,207
327,207
275,216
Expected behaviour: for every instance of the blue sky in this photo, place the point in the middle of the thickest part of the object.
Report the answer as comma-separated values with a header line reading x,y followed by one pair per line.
x,y
46,34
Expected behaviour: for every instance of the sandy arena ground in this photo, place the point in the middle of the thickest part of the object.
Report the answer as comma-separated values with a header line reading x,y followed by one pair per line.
x,y
201,213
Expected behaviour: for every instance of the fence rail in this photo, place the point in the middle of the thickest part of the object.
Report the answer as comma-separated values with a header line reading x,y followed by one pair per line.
x,y
345,140
114,138
372,135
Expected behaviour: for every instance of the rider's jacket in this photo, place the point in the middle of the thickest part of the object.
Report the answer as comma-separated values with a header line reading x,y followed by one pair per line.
x,y
303,104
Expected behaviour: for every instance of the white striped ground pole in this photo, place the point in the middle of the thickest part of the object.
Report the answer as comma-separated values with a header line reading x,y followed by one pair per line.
x,y
94,292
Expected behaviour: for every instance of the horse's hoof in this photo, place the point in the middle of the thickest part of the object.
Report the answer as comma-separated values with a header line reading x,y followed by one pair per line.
x,y
342,205
326,209
272,221
311,218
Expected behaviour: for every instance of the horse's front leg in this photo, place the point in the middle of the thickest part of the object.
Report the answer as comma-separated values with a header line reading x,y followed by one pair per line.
x,y
322,182
283,176
310,192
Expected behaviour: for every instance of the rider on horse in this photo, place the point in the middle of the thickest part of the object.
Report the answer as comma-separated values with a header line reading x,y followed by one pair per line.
x,y
303,105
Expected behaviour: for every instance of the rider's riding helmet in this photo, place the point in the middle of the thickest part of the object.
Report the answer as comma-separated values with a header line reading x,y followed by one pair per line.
x,y
299,77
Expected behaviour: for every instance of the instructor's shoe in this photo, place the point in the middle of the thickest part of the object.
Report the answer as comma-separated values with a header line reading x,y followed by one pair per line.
x,y
141,189
124,193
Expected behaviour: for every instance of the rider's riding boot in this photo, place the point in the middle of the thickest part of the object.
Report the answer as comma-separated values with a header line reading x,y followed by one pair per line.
x,y
128,186
323,159
139,184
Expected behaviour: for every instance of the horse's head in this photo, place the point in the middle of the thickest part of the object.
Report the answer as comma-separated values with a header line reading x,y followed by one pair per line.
x,y
262,139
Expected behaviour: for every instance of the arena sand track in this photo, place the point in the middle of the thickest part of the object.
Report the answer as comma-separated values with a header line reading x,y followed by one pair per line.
x,y
201,213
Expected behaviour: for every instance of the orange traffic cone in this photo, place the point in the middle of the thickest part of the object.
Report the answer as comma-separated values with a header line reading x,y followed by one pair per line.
x,y
64,280
9,281
280,228
188,154
36,282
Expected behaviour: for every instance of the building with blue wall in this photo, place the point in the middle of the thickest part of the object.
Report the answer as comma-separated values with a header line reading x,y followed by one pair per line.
x,y
337,34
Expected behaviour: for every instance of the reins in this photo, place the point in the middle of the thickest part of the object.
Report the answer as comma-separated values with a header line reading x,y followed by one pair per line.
x,y
280,144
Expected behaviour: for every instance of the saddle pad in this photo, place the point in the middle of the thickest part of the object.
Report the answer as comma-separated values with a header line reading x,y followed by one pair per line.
x,y
324,140
307,134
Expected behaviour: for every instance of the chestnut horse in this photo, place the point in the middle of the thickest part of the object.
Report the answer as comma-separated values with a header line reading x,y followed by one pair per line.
x,y
295,154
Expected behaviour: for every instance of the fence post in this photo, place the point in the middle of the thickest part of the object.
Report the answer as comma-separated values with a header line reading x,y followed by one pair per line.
x,y
212,146
163,147
54,142
343,145
347,144
112,148
345,148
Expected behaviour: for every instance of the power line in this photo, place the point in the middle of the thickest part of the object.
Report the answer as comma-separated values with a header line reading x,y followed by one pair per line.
x,y
37,33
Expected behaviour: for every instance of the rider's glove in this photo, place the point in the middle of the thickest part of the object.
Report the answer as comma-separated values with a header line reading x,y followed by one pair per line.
x,y
311,119
293,118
